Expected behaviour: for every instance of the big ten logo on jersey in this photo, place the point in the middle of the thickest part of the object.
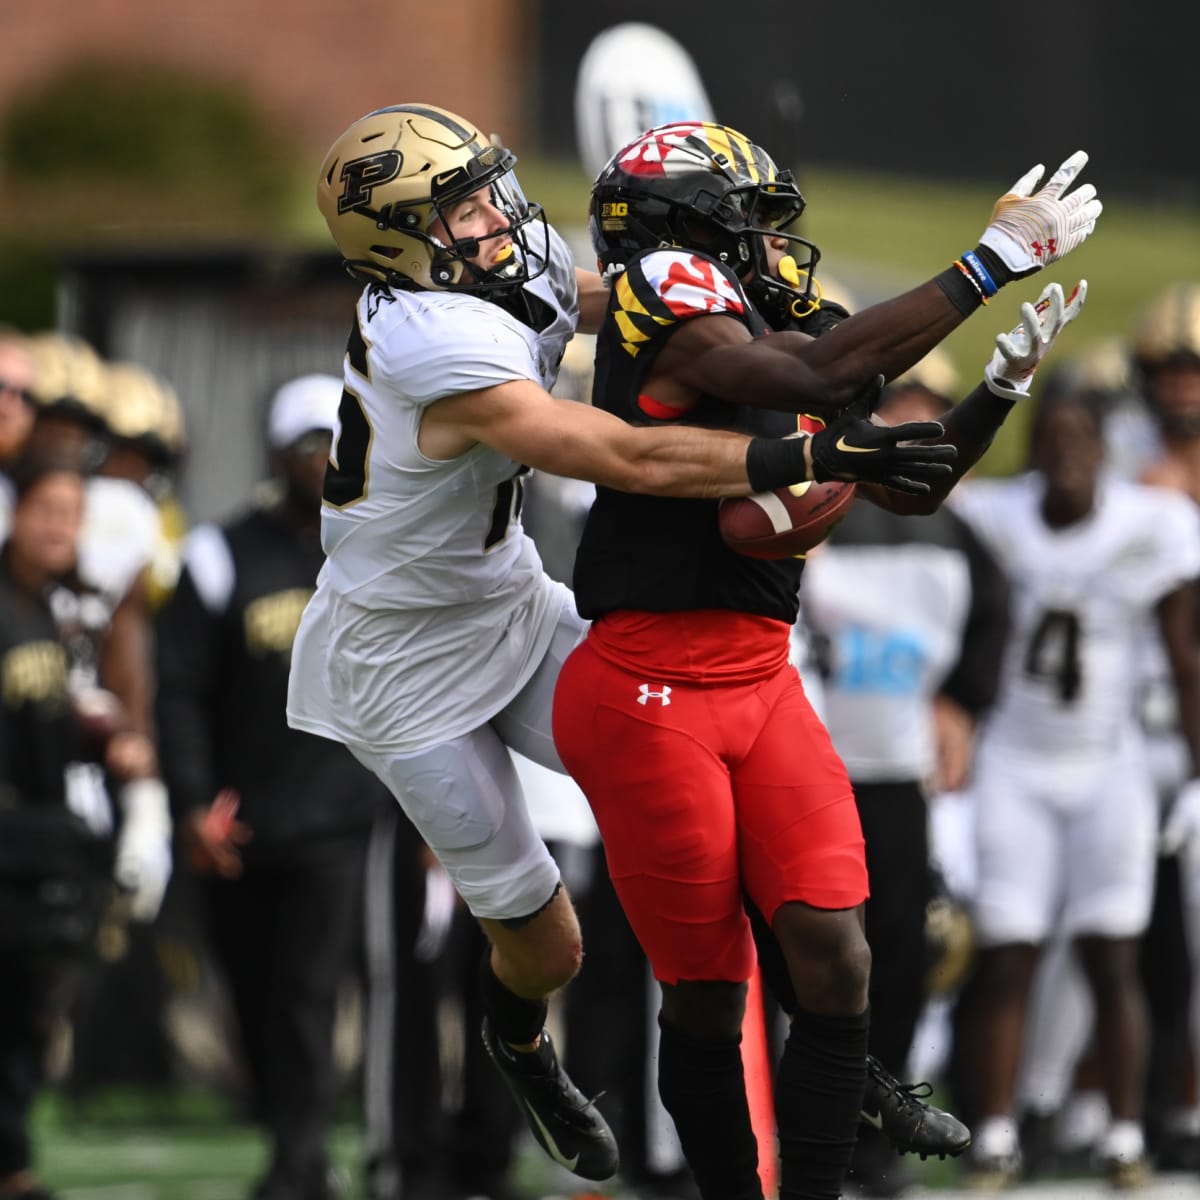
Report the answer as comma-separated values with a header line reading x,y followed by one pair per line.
x,y
888,663
617,98
270,622
34,672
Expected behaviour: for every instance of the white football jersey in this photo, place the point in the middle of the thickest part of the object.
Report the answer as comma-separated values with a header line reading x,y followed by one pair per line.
x,y
432,608
1081,596
121,533
894,617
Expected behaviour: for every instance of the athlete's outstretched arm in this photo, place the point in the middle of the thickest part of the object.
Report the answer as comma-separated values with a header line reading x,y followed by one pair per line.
x,y
565,437
1027,230
972,424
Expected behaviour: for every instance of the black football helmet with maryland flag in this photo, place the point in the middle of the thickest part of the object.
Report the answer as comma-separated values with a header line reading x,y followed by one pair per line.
x,y
397,171
706,187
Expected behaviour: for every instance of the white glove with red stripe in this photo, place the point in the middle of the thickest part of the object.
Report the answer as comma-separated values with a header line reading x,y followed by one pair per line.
x,y
1030,230
1019,353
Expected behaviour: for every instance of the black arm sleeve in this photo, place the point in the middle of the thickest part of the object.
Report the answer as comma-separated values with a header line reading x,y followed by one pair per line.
x,y
187,640
975,678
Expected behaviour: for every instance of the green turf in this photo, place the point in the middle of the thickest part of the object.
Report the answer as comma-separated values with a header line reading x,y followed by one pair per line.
x,y
130,1145
126,1145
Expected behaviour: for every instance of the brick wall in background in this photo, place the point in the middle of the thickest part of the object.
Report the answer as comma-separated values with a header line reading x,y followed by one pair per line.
x,y
317,63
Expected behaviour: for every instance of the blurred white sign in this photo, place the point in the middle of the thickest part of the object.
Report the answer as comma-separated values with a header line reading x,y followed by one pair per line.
x,y
632,78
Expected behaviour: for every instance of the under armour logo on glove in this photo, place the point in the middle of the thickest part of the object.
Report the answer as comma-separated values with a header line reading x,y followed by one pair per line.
x,y
647,694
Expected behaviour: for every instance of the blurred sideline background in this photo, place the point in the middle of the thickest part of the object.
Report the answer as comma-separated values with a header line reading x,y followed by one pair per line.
x,y
157,164
157,161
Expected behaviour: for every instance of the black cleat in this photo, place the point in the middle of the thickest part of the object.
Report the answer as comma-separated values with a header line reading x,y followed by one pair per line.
x,y
900,1113
566,1124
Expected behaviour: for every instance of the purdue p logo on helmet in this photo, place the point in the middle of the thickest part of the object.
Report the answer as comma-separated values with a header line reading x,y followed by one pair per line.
x,y
395,172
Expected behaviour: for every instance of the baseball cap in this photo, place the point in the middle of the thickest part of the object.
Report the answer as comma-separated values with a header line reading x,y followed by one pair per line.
x,y
310,402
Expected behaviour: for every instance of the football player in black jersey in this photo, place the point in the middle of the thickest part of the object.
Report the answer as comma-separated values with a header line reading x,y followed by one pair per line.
x,y
709,774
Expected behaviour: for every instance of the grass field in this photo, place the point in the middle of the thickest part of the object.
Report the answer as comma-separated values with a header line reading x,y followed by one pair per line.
x,y
187,1147
220,1162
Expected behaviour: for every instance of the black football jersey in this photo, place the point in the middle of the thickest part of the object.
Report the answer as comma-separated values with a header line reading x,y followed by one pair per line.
x,y
38,731
659,554
223,663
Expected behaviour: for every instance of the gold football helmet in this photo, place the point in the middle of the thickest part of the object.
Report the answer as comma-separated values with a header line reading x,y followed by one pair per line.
x,y
1169,328
143,409
395,172
935,373
70,377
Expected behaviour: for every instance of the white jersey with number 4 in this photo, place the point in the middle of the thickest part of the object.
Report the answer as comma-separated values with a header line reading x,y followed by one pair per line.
x,y
1081,595
432,609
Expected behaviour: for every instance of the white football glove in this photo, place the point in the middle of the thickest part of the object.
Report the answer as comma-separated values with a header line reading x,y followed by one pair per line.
x,y
1029,230
143,858
1181,830
1018,353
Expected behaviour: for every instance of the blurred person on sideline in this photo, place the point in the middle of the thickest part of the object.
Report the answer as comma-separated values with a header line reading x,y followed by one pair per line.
x,y
435,638
146,446
1065,812
129,996
18,401
909,615
273,820
1065,1111
55,856
104,617
1165,353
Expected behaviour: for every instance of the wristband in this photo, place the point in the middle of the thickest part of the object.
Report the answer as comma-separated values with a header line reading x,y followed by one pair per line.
x,y
961,290
776,462
994,265
979,274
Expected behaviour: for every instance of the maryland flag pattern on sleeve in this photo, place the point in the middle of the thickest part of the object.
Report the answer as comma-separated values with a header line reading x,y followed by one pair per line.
x,y
667,286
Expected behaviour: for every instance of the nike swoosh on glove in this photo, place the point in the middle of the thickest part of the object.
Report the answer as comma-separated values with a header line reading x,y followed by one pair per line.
x,y
852,448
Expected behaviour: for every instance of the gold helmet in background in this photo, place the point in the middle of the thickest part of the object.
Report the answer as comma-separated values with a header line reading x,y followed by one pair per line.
x,y
144,409
1103,367
935,373
1169,328
1166,351
69,377
395,172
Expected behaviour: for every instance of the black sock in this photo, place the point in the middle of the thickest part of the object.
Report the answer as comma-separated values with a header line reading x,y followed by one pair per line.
x,y
513,1018
818,1098
703,1087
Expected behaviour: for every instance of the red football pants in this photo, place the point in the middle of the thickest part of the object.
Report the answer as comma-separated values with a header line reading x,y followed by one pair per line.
x,y
703,791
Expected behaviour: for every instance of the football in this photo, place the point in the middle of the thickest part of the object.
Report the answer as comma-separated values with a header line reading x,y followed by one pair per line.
x,y
785,523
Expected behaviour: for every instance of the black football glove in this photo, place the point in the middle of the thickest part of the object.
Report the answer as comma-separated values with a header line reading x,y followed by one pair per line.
x,y
852,448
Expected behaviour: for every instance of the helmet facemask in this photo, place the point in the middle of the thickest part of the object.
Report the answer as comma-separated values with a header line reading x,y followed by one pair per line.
x,y
452,266
790,292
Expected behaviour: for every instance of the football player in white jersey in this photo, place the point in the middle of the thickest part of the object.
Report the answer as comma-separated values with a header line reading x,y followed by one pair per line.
x,y
1065,811
434,639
